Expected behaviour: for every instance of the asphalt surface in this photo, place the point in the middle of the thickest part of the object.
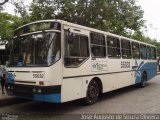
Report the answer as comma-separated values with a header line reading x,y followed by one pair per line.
x,y
129,100
9,100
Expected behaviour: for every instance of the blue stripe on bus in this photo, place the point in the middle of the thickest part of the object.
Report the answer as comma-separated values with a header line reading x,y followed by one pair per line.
x,y
150,68
56,98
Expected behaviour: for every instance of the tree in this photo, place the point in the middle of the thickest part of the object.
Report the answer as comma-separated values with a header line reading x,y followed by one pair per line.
x,y
43,9
7,25
122,17
21,10
116,16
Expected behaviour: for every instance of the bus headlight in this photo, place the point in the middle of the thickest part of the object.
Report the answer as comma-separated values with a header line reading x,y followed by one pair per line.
x,y
39,91
34,90
9,87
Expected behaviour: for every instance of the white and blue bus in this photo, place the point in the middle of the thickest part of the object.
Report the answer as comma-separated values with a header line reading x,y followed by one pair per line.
x,y
58,61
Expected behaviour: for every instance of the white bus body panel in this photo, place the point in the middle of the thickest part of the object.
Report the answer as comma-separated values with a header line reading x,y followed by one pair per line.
x,y
25,75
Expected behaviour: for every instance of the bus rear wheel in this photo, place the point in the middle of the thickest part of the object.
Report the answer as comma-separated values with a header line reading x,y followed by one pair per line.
x,y
92,93
143,80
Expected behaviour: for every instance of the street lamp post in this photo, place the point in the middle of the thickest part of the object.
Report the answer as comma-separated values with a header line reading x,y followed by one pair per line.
x,y
156,33
155,30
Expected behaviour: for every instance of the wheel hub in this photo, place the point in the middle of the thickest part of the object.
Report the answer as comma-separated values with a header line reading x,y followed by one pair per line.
x,y
92,92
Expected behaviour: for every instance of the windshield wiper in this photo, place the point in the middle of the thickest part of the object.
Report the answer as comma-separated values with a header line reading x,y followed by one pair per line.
x,y
25,59
44,46
48,44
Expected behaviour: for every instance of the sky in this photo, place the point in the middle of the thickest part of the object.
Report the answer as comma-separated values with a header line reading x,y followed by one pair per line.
x,y
151,10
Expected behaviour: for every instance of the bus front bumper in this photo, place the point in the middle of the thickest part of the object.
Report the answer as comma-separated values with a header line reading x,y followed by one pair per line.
x,y
41,93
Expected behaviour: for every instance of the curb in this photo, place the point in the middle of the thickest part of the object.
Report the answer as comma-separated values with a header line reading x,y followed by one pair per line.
x,y
158,73
11,100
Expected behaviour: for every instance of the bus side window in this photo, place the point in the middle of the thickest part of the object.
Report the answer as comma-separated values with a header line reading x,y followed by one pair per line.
x,y
76,51
153,53
135,50
143,51
113,47
149,52
126,49
98,46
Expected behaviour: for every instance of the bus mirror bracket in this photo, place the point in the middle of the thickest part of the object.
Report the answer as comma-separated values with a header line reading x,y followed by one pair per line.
x,y
70,37
43,33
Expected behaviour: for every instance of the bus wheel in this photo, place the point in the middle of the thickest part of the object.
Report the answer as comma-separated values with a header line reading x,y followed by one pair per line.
x,y
143,80
92,93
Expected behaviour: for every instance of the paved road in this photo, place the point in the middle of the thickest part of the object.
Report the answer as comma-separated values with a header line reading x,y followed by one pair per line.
x,y
122,101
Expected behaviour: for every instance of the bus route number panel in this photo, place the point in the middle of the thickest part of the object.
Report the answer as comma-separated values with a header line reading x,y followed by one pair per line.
x,y
125,64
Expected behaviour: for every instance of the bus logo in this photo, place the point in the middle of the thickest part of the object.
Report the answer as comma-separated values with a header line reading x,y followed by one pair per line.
x,y
99,66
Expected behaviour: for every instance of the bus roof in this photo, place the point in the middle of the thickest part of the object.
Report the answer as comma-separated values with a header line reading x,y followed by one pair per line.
x,y
85,28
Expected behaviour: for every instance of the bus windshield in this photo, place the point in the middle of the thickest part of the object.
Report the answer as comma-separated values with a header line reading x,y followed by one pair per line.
x,y
37,49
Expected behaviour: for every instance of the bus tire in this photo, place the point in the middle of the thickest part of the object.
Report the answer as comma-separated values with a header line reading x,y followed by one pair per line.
x,y
92,93
143,80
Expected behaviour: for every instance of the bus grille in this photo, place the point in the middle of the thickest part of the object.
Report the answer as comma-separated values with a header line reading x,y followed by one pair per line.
x,y
22,91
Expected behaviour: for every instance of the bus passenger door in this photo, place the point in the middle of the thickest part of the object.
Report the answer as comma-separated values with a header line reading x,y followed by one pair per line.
x,y
76,62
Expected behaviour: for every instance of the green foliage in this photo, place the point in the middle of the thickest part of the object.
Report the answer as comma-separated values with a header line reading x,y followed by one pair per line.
x,y
7,25
122,17
8,22
21,10
42,9
114,16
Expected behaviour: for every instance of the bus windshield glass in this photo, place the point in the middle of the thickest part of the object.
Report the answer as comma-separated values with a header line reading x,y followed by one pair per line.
x,y
37,49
